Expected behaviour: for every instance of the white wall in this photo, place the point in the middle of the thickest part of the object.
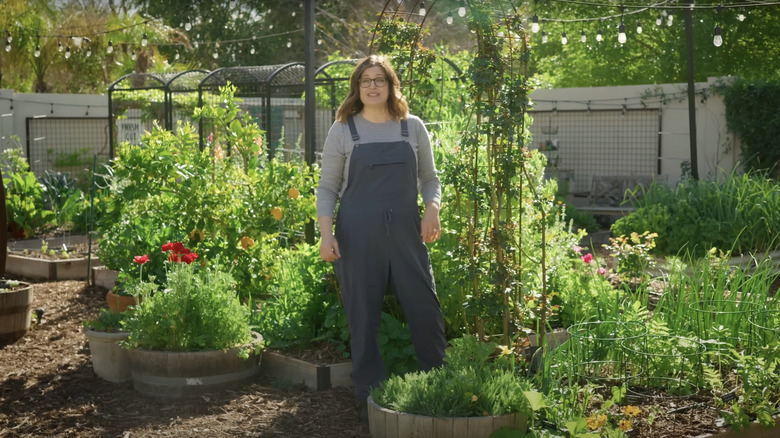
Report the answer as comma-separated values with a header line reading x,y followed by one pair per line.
x,y
15,108
717,149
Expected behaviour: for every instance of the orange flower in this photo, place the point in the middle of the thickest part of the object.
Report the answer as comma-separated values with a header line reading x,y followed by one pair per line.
x,y
247,242
624,425
293,193
276,212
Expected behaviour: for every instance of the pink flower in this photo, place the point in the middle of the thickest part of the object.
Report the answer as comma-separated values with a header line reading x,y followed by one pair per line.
x,y
211,137
587,258
577,249
141,259
602,272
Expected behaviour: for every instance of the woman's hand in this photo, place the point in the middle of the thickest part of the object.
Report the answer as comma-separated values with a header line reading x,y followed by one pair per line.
x,y
431,226
329,248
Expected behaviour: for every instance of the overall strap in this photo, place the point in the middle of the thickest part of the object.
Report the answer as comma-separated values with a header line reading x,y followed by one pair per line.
x,y
404,128
353,129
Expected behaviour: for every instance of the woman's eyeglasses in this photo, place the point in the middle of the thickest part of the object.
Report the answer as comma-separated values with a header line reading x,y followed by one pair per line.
x,y
378,82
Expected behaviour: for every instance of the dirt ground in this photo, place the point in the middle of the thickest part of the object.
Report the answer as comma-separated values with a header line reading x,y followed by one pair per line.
x,y
48,388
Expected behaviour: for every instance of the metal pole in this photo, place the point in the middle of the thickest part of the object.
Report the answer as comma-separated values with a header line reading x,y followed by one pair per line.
x,y
691,91
309,103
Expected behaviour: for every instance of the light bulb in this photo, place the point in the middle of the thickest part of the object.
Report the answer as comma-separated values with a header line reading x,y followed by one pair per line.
x,y
717,39
188,26
195,44
658,21
215,55
599,36
564,40
59,47
89,51
144,40
176,56
422,8
7,45
669,20
462,9
67,53
110,48
132,55
535,24
8,37
638,27
741,16
622,33
252,50
289,43
449,17
583,38
544,36
319,41
37,51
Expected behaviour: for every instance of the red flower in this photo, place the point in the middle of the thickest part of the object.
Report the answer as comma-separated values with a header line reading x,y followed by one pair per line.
x,y
189,258
141,259
167,247
179,248
587,258
173,257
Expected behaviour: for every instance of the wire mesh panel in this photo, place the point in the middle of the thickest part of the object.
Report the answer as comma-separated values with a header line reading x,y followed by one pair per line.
x,y
67,144
584,144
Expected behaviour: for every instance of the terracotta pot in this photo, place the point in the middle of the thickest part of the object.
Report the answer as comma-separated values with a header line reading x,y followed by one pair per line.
x,y
119,303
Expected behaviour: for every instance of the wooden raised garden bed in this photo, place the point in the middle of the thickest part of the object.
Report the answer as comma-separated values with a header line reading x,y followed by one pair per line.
x,y
24,259
316,377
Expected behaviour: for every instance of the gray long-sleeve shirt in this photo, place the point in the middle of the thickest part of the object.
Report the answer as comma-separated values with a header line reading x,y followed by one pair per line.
x,y
338,150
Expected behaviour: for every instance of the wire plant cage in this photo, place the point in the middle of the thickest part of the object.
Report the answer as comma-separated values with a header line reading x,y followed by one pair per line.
x,y
138,101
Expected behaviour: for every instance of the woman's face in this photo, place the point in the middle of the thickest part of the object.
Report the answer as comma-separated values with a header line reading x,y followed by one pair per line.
x,y
373,93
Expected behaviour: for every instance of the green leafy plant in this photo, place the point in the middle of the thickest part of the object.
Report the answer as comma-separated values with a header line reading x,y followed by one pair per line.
x,y
25,206
107,321
196,309
478,379
633,254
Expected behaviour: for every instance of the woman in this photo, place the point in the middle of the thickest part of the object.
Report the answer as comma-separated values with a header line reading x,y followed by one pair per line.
x,y
374,159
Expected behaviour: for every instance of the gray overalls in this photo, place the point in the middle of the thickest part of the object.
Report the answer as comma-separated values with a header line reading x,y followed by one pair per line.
x,y
378,231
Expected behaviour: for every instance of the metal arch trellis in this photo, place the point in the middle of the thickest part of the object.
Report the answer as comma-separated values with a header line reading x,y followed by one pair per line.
x,y
168,83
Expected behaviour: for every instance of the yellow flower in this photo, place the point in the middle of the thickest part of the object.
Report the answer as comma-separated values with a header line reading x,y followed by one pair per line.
x,y
505,350
276,212
293,193
624,425
631,411
474,398
247,242
595,422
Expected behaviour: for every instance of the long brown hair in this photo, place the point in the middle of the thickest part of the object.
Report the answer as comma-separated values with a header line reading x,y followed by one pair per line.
x,y
396,103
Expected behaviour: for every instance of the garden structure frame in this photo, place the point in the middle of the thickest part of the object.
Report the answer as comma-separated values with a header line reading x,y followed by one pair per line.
x,y
137,100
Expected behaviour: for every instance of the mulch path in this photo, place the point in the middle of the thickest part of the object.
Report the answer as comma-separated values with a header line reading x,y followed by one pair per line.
x,y
48,388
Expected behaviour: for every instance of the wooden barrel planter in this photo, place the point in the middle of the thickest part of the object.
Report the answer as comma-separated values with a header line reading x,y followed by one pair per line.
x,y
109,361
173,375
386,423
15,307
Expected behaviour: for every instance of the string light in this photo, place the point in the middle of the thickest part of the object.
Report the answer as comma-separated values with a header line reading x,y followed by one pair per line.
x,y
132,55
564,40
289,43
37,51
89,51
449,17
544,36
422,8
669,19
67,53
583,38
622,33
462,9
658,20
110,48
7,45
741,16
59,47
717,39
599,35
535,24
144,40
638,27
188,25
